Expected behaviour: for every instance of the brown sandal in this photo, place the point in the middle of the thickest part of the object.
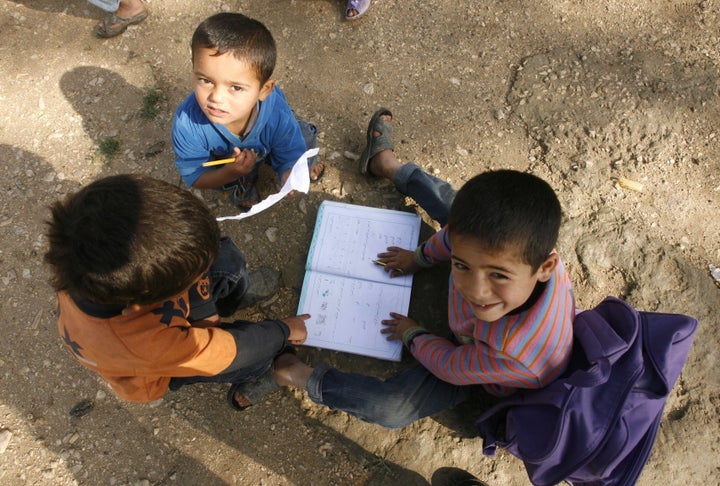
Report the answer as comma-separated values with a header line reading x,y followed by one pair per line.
x,y
113,25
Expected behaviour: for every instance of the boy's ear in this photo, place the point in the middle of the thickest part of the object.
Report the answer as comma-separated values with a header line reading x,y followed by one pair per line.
x,y
547,267
130,309
266,89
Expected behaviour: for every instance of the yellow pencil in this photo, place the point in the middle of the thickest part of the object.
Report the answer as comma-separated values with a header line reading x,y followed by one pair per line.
x,y
218,162
383,264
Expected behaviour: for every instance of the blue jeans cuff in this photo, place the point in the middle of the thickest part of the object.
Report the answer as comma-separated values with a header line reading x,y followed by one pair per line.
x,y
314,384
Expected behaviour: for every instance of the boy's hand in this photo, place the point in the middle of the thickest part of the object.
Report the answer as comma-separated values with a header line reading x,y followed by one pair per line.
x,y
298,331
398,261
397,326
244,162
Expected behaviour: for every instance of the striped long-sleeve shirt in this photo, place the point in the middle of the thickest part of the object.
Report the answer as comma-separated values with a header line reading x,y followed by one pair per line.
x,y
524,350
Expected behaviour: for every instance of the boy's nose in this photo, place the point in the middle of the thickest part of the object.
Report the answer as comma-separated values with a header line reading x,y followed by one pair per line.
x,y
481,288
215,95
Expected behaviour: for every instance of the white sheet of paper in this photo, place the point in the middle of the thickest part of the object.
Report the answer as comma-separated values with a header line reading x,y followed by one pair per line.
x,y
299,180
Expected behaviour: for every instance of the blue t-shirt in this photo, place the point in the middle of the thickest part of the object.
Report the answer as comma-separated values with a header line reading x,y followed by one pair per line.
x,y
276,136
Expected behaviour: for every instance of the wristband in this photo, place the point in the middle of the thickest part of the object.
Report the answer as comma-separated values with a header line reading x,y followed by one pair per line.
x,y
409,335
419,257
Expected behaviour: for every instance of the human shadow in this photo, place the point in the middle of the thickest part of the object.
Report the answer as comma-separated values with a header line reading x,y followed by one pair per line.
x,y
114,110
41,383
71,413
65,411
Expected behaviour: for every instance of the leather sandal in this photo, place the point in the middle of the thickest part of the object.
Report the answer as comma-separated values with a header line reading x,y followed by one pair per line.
x,y
377,144
113,25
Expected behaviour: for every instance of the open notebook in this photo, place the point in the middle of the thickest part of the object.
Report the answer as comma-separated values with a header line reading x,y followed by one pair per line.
x,y
346,294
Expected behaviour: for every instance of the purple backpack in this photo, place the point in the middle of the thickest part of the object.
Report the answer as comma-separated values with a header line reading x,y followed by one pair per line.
x,y
596,425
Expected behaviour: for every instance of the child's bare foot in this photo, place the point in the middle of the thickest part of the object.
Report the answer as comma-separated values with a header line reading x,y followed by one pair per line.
x,y
290,371
317,170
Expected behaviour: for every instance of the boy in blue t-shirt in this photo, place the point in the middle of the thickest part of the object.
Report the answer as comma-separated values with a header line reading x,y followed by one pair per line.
x,y
236,111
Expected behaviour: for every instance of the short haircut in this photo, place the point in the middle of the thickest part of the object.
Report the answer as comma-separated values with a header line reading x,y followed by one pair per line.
x,y
506,208
247,39
129,239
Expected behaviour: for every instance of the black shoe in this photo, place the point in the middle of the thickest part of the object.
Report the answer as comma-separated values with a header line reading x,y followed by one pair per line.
x,y
453,476
262,284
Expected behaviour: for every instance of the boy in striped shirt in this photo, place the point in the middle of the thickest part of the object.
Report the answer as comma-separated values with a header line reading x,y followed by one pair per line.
x,y
510,305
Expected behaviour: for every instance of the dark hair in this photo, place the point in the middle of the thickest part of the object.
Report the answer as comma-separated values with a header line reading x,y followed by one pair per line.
x,y
508,208
130,239
247,39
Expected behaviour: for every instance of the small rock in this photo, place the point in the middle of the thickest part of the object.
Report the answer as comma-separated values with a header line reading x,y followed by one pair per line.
x,y
271,234
714,272
5,436
369,89
325,448
351,156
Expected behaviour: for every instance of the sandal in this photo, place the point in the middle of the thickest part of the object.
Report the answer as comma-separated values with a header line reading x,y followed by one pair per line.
x,y
254,391
360,6
377,144
113,25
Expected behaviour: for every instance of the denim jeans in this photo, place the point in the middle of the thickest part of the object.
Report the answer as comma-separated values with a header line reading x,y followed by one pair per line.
x,y
411,394
228,281
309,134
392,403
435,196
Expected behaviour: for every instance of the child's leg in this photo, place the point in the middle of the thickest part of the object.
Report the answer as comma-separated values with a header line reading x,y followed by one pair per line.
x,y
228,282
435,196
309,133
393,403
259,343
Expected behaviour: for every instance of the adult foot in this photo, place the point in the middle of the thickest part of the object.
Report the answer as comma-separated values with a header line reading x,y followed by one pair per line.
x,y
129,12
290,371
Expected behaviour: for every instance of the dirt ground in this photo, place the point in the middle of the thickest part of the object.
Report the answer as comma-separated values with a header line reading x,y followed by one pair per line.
x,y
580,93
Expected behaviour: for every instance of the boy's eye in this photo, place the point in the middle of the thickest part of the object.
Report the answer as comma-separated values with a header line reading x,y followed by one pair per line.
x,y
203,81
499,276
459,266
236,88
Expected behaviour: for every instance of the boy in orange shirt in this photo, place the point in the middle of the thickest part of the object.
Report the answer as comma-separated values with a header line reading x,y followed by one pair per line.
x,y
143,277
